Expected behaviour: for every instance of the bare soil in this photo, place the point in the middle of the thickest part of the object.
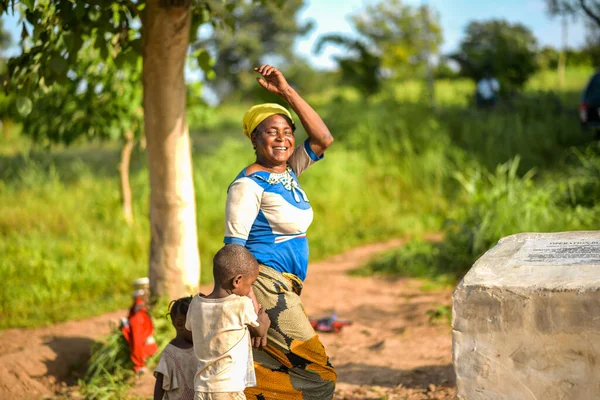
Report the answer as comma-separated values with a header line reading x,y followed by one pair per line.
x,y
391,351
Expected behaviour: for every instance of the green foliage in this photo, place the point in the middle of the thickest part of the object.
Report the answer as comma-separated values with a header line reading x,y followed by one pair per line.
x,y
548,57
496,205
99,101
588,8
363,70
79,71
308,81
58,243
63,241
401,34
5,38
536,137
110,373
520,175
60,34
442,314
55,32
7,100
507,50
258,34
394,40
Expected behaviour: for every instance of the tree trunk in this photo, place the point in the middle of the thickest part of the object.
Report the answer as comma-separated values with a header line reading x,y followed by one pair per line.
x,y
174,266
562,58
124,174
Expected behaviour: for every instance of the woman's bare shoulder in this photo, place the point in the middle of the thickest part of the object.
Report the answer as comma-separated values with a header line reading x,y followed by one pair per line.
x,y
252,168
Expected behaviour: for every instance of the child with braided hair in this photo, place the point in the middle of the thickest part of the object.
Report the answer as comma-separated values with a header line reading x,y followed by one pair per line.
x,y
177,365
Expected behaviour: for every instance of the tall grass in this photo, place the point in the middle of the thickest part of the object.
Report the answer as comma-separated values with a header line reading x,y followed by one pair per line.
x,y
66,252
497,204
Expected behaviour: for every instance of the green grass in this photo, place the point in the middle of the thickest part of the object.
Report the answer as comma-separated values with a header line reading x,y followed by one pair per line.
x,y
397,168
499,204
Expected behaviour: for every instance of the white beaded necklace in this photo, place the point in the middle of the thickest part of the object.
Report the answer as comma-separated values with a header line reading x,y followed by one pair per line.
x,y
288,182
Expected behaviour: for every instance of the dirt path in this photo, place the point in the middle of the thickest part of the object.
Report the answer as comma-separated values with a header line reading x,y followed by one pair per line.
x,y
391,351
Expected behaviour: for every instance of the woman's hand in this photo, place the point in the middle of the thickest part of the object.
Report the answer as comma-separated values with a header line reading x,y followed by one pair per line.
x,y
259,334
318,134
272,80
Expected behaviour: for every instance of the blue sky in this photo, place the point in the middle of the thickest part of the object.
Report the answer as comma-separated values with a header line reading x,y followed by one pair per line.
x,y
332,16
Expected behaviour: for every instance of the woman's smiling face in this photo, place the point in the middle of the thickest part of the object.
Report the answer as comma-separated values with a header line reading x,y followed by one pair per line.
x,y
274,141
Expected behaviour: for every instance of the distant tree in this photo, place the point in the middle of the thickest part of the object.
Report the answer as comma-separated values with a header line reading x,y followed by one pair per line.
x,y
362,69
401,35
507,50
7,99
589,8
548,57
260,34
443,70
394,41
592,44
5,39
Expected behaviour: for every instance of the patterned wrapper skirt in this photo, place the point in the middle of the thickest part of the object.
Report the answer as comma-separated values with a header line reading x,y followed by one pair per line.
x,y
294,365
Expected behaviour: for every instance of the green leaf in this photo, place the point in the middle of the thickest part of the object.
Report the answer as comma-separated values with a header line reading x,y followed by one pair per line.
x,y
116,14
24,106
79,10
114,132
58,64
104,52
30,4
77,42
204,61
69,40
31,17
205,16
136,45
94,14
24,33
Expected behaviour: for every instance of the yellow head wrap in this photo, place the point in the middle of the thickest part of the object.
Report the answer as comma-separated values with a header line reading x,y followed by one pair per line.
x,y
258,113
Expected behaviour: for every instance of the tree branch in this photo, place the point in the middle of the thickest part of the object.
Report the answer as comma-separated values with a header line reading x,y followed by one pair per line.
x,y
133,7
588,11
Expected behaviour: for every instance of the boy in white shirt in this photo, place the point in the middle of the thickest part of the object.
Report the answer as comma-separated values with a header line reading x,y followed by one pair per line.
x,y
221,325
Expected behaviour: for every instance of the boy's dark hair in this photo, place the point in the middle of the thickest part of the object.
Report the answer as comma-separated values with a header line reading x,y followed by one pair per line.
x,y
233,260
179,307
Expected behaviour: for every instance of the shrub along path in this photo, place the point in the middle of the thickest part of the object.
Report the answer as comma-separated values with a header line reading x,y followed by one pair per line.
x,y
393,349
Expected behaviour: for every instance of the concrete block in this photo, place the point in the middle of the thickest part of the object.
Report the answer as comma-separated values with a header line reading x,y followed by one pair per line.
x,y
526,320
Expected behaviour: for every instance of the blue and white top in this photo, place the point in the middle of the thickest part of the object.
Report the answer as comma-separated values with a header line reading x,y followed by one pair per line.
x,y
270,214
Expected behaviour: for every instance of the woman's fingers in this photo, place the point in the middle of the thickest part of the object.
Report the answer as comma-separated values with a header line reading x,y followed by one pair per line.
x,y
269,70
261,69
265,69
273,79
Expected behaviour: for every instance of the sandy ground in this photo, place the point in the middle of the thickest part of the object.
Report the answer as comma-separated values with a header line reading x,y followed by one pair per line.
x,y
392,350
